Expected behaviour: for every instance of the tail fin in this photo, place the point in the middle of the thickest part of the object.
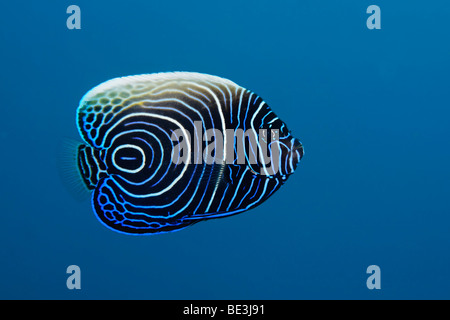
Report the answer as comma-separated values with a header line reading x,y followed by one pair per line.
x,y
68,169
90,165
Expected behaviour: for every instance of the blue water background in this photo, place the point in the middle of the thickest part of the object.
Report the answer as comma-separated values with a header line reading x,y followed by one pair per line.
x,y
370,106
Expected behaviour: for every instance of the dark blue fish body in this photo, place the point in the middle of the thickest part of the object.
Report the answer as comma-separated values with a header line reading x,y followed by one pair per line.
x,y
164,151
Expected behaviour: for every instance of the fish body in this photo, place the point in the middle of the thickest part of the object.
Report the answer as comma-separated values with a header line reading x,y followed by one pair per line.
x,y
164,151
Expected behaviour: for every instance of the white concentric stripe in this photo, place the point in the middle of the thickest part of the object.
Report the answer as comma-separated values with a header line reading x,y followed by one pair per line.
x,y
193,193
169,90
160,148
273,120
252,125
239,108
231,104
166,91
199,93
132,147
219,109
141,114
222,118
239,116
182,114
245,121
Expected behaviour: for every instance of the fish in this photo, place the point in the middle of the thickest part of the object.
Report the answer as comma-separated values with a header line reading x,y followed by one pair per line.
x,y
164,151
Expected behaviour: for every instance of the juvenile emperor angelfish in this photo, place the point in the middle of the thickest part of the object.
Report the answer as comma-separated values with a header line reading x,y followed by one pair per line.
x,y
164,151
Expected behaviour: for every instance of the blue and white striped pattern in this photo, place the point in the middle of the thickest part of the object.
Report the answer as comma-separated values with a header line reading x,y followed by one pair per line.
x,y
128,124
